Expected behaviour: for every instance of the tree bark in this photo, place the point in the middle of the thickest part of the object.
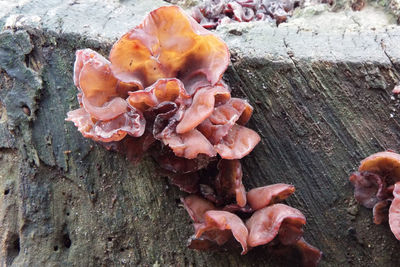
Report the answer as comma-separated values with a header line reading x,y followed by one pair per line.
x,y
322,102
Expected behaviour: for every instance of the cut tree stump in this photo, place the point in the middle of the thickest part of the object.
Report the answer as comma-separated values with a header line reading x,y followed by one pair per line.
x,y
321,92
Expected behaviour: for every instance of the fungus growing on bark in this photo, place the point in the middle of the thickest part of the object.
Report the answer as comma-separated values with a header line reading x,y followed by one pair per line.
x,y
169,44
162,91
223,220
104,114
212,13
196,207
394,212
265,224
271,225
163,76
261,197
228,182
377,185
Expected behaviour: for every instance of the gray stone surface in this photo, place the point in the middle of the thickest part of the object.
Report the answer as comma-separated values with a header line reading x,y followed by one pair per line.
x,y
321,89
92,18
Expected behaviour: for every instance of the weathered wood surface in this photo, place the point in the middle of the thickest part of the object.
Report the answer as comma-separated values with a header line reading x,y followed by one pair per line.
x,y
322,100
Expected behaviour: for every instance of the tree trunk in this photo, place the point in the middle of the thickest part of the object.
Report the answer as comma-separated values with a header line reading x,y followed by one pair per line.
x,y
322,102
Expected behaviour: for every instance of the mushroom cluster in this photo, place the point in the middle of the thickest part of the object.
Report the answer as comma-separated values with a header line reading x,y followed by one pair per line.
x,y
257,218
377,186
163,78
162,91
212,13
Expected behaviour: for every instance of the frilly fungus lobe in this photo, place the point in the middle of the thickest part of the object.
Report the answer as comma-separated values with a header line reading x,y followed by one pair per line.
x,y
169,44
104,114
164,83
377,186
263,196
229,181
394,212
266,223
223,220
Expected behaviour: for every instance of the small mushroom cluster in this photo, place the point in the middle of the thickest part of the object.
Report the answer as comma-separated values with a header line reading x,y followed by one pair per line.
x,y
162,91
257,218
377,186
212,13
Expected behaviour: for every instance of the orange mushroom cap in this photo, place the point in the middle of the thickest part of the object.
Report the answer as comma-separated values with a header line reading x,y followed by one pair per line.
x,y
163,90
202,107
104,115
169,44
223,220
265,224
394,212
224,117
386,162
239,142
131,123
261,197
377,186
196,207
